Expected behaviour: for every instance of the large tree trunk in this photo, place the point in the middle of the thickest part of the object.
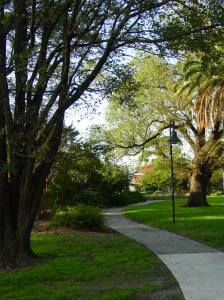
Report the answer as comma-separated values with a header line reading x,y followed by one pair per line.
x,y
18,215
198,183
17,222
20,194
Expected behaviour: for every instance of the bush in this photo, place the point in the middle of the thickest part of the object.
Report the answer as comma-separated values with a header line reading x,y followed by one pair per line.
x,y
126,198
160,193
107,199
79,217
92,198
216,193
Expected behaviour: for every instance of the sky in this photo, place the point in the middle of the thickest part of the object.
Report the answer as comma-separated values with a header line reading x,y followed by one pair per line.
x,y
83,119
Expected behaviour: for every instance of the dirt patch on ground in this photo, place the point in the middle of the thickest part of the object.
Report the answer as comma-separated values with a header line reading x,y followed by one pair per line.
x,y
43,226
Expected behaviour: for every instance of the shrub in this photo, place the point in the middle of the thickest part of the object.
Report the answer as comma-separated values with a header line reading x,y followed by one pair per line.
x,y
126,198
92,198
79,217
160,193
107,199
216,193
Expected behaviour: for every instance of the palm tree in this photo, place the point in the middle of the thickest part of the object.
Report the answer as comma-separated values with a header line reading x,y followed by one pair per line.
x,y
202,85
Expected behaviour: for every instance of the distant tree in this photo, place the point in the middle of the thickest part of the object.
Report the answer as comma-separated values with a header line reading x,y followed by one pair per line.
x,y
135,123
216,183
137,112
158,178
74,171
80,174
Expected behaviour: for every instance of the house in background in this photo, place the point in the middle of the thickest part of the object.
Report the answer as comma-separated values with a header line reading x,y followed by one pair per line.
x,y
136,178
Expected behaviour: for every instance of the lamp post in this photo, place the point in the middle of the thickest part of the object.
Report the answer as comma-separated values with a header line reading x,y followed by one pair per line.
x,y
173,140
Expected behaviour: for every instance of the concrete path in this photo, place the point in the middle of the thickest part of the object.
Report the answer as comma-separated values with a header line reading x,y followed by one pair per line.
x,y
199,269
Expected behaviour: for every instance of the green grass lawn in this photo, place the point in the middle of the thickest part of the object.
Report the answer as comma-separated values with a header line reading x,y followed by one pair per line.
x,y
204,224
90,266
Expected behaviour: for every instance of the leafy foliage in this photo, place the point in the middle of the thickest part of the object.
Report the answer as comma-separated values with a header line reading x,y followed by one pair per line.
x,y
126,198
79,217
204,82
216,182
158,178
138,108
80,175
179,23
137,125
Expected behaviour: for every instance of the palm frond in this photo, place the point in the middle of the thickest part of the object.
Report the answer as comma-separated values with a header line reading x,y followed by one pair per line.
x,y
191,63
206,86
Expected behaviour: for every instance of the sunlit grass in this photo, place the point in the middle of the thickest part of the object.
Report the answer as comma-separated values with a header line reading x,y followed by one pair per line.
x,y
205,224
89,267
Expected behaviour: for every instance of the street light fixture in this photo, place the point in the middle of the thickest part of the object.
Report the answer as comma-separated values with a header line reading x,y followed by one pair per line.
x,y
173,140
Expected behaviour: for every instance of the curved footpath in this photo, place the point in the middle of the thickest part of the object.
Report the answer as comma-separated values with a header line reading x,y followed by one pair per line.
x,y
199,269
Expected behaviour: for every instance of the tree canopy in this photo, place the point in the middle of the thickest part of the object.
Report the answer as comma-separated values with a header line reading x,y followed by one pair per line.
x,y
138,117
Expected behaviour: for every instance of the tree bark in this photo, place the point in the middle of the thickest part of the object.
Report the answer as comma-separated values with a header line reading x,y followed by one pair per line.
x,y
16,227
16,222
18,210
200,176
